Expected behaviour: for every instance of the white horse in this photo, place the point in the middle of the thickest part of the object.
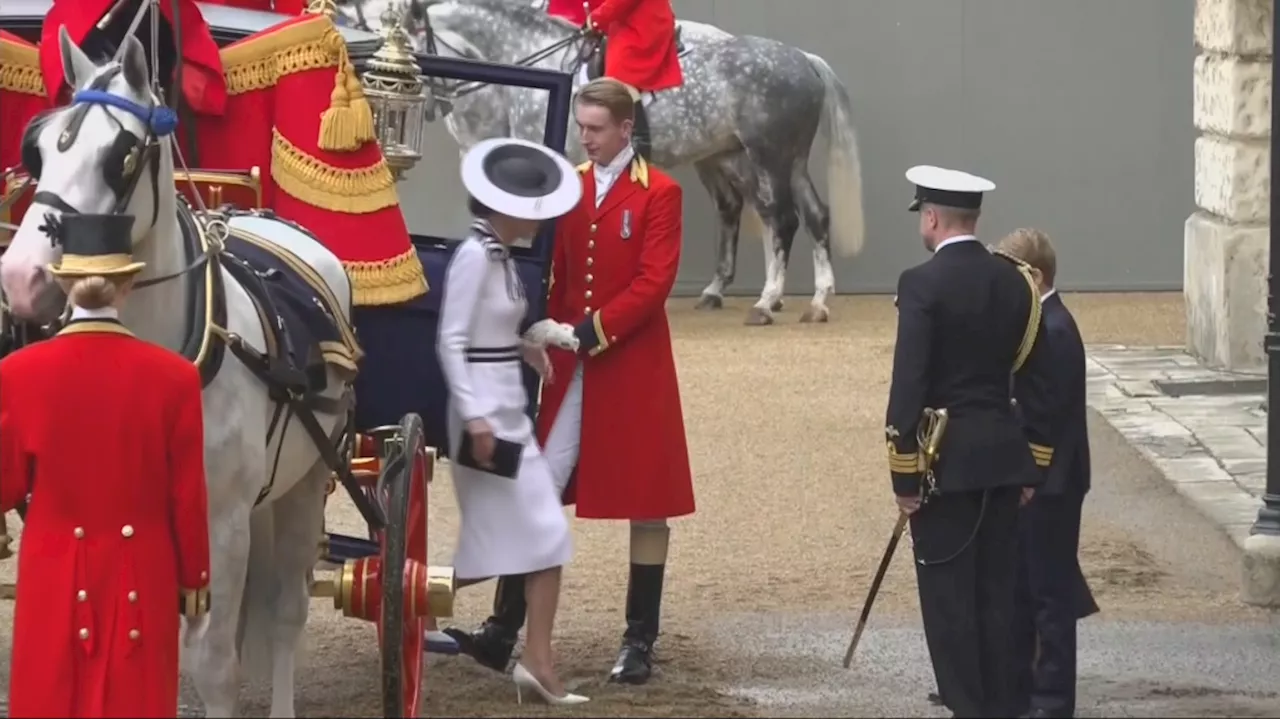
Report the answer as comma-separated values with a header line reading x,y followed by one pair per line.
x,y
262,551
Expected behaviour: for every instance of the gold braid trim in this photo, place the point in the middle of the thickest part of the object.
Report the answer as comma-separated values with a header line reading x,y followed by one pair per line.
x,y
1033,319
387,282
903,463
312,44
1042,454
20,69
356,191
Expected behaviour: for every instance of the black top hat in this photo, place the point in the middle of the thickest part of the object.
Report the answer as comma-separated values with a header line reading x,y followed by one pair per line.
x,y
95,245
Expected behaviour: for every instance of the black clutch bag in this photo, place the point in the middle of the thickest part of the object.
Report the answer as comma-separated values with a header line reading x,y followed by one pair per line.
x,y
506,457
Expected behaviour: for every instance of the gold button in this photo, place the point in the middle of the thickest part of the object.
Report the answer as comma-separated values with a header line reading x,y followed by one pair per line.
x,y
84,633
133,596
591,244
587,310
134,634
591,261
204,575
589,277
613,338
79,532
593,227
587,294
81,595
126,531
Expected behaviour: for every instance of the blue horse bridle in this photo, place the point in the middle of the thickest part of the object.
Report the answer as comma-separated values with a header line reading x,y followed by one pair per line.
x,y
126,157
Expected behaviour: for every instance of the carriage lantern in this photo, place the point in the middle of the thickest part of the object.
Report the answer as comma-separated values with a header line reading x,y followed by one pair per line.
x,y
393,85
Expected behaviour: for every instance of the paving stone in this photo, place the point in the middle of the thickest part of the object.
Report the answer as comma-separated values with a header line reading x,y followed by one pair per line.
x,y
1211,449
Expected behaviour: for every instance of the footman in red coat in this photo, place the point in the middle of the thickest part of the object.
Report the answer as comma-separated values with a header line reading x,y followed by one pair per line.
x,y
610,421
641,49
101,436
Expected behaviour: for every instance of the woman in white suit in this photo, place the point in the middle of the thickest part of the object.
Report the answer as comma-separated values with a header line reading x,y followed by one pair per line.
x,y
512,518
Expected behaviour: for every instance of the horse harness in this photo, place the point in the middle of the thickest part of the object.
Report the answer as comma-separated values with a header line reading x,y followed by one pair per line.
x,y
296,391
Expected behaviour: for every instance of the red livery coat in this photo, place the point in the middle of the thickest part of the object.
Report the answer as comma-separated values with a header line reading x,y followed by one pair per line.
x,y
642,39
613,267
104,432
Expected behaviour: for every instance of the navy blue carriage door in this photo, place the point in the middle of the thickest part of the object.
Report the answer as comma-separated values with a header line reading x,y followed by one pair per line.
x,y
401,372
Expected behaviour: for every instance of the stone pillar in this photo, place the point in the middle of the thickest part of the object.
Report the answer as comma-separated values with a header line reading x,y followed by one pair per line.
x,y
1225,253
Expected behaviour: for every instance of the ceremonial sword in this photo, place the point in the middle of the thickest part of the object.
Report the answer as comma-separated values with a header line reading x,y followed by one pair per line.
x,y
933,425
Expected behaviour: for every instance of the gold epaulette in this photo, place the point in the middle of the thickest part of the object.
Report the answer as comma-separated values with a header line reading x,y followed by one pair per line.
x,y
1042,454
20,68
585,167
903,463
1033,318
640,171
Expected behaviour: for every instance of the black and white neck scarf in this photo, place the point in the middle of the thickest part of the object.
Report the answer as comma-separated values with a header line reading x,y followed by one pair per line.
x,y
498,252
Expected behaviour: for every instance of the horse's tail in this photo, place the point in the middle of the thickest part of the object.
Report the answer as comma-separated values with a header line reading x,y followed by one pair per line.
x,y
257,618
844,170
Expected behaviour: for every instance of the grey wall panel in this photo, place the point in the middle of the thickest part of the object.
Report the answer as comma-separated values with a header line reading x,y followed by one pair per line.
x,y
1080,111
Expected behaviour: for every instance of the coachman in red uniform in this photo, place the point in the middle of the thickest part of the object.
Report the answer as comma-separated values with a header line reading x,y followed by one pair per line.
x,y
641,49
101,437
610,422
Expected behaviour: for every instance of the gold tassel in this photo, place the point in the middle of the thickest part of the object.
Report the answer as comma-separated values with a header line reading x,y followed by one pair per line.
x,y
348,123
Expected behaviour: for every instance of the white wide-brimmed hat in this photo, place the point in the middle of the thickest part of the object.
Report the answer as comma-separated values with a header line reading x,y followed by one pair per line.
x,y
521,179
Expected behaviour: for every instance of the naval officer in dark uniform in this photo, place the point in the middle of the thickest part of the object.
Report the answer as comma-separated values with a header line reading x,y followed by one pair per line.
x,y
968,323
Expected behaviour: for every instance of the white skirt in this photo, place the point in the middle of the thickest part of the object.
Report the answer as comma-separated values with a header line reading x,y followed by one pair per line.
x,y
507,526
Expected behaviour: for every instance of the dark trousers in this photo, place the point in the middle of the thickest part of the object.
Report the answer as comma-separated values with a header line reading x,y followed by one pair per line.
x,y
967,596
1052,596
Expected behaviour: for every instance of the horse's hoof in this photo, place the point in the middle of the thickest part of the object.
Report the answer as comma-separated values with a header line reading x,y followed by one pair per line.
x,y
815,314
757,317
710,302
777,306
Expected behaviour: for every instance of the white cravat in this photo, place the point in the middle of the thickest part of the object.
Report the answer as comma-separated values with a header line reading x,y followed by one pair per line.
x,y
955,241
102,313
607,175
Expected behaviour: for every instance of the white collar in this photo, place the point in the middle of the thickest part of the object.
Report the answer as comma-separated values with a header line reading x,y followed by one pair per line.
x,y
618,164
103,313
955,241
1052,291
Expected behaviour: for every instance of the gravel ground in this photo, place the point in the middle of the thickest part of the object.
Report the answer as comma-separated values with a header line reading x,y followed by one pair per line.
x,y
785,429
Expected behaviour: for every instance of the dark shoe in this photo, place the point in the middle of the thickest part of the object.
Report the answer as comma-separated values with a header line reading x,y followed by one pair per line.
x,y
640,136
644,609
493,643
935,699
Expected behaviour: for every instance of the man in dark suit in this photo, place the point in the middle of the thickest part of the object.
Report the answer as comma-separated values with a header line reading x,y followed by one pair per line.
x,y
968,319
1053,594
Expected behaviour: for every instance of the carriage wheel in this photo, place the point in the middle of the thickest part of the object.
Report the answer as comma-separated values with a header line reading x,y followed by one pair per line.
x,y
400,629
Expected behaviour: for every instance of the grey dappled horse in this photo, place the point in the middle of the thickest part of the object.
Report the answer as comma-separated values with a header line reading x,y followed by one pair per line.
x,y
746,119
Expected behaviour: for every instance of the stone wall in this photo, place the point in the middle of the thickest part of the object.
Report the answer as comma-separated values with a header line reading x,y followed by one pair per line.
x,y
1226,239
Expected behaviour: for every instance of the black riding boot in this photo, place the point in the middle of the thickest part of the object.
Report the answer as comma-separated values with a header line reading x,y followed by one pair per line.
x,y
641,138
492,644
644,607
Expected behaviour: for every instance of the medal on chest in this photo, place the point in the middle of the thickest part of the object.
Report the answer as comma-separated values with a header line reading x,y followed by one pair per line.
x,y
626,224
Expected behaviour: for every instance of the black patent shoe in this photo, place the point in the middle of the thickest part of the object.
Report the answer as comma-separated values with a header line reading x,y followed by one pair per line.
x,y
634,665
488,645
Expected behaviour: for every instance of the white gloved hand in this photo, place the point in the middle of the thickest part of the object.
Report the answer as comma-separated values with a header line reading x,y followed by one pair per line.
x,y
194,629
550,332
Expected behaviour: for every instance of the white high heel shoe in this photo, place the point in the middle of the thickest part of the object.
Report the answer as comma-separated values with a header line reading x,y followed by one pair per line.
x,y
525,680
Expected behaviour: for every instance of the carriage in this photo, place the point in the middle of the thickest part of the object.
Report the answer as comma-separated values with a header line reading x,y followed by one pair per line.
x,y
390,449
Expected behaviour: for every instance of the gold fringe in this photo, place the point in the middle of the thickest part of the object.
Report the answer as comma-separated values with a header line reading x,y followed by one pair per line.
x,y
259,62
356,191
348,123
20,69
387,282
312,44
